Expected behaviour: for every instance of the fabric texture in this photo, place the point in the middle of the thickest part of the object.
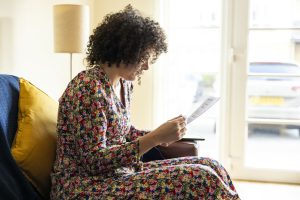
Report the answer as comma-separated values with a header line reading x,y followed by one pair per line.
x,y
14,185
9,106
35,141
153,154
97,152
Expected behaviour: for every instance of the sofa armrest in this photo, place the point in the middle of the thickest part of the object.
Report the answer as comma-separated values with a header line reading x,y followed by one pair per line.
x,y
175,150
179,149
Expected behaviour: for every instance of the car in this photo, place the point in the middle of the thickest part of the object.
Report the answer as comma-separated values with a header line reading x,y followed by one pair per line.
x,y
274,91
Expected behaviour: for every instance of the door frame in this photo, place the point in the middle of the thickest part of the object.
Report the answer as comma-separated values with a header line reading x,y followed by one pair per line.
x,y
233,118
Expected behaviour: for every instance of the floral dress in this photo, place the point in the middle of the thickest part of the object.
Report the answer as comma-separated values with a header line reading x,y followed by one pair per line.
x,y
97,152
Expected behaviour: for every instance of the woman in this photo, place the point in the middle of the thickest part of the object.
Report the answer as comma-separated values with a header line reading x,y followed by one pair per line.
x,y
98,149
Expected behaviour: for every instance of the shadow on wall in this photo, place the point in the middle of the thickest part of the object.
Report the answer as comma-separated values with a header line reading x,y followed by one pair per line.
x,y
6,44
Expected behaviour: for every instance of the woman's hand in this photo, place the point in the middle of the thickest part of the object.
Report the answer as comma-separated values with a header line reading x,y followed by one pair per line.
x,y
169,132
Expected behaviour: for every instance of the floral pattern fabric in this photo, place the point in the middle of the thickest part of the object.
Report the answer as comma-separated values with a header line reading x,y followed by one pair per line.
x,y
97,152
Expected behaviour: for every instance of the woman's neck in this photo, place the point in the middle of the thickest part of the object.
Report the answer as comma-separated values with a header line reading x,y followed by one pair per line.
x,y
113,74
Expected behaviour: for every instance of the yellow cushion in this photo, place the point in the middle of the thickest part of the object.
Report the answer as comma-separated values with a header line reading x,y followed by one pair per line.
x,y
34,145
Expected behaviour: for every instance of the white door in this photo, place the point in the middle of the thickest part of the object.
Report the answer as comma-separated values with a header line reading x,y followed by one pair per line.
x,y
247,52
264,103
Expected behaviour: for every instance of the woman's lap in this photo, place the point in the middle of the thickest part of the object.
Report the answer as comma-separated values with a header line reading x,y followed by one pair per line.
x,y
183,178
213,164
188,181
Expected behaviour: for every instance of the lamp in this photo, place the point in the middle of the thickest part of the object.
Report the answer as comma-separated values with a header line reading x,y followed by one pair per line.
x,y
71,29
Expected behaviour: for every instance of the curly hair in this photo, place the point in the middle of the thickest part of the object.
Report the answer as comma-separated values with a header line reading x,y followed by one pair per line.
x,y
125,37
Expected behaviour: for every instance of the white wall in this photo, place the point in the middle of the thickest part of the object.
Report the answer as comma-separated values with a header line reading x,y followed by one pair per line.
x,y
26,45
26,48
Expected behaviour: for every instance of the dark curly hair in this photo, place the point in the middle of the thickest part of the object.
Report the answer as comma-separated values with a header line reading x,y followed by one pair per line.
x,y
125,37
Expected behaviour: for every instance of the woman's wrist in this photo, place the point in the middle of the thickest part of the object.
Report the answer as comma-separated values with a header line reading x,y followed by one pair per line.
x,y
146,142
154,138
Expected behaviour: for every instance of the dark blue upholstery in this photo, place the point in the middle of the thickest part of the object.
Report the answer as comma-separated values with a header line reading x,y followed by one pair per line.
x,y
13,184
9,87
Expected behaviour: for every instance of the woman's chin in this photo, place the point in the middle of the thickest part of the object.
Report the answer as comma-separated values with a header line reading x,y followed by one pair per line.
x,y
131,78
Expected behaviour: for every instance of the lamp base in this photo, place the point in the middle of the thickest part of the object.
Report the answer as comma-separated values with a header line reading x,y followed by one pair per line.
x,y
71,73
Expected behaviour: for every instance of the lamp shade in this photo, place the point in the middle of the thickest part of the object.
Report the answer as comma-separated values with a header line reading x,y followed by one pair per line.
x,y
71,28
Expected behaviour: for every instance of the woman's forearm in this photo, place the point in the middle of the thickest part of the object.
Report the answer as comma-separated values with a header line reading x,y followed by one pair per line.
x,y
147,142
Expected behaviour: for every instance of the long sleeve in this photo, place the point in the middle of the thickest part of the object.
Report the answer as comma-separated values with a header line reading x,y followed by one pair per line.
x,y
135,133
91,135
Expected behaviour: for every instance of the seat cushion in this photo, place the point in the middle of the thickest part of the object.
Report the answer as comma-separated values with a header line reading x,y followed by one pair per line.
x,y
35,141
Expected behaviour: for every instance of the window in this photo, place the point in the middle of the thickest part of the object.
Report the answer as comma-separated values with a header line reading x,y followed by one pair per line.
x,y
193,65
248,53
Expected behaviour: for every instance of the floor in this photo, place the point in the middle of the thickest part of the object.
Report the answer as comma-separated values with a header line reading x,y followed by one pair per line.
x,y
266,191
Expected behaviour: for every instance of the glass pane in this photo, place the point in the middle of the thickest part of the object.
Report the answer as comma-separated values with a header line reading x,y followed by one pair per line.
x,y
274,45
273,85
273,146
278,13
193,65
194,13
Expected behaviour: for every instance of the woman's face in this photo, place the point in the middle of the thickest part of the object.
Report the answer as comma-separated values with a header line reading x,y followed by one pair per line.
x,y
131,71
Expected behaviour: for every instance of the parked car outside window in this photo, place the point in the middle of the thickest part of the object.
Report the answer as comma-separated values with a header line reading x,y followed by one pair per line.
x,y
273,94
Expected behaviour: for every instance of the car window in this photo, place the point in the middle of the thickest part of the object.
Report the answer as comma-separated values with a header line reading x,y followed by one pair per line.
x,y
279,68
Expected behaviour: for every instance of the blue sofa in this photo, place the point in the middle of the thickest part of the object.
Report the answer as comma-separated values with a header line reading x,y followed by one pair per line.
x,y
13,184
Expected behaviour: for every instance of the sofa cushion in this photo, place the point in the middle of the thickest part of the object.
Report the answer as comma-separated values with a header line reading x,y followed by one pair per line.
x,y
9,87
35,141
13,183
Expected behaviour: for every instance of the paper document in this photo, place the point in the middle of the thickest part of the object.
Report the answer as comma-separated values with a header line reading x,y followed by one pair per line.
x,y
207,103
